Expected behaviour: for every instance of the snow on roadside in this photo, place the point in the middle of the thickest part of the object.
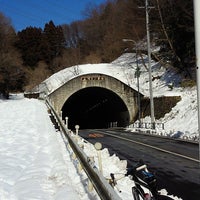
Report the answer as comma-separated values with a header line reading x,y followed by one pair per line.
x,y
112,164
33,164
182,121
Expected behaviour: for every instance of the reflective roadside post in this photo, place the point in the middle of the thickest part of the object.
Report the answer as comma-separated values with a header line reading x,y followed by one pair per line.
x,y
77,128
66,122
98,147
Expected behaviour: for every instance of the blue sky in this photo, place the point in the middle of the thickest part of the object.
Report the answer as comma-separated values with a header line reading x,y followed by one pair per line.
x,y
36,13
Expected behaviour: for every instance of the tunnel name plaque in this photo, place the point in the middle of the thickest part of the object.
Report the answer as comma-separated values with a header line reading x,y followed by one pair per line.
x,y
93,78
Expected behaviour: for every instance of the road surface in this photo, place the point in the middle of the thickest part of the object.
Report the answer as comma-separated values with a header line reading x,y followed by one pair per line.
x,y
175,163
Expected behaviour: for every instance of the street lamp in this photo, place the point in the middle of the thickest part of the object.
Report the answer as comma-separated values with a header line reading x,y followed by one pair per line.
x,y
149,70
137,75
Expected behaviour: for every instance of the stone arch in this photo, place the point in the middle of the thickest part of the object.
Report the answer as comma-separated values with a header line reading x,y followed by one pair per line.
x,y
123,91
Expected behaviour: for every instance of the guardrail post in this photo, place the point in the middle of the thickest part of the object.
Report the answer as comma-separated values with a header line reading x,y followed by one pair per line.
x,y
73,156
68,146
90,185
91,162
79,167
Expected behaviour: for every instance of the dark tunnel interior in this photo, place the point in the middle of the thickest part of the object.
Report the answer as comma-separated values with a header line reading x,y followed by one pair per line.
x,y
95,107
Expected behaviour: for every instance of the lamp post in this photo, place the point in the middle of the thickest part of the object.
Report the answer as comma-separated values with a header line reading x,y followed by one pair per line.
x,y
137,75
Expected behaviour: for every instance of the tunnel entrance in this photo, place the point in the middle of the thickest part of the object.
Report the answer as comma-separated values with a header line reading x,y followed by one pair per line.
x,y
95,107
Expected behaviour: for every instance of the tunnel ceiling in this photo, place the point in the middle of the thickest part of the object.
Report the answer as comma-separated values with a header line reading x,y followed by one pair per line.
x,y
95,107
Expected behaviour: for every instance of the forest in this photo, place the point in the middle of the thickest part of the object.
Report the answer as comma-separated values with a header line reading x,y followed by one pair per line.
x,y
31,55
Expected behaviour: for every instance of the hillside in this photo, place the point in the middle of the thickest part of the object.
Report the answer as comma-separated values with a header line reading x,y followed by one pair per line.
x,y
181,121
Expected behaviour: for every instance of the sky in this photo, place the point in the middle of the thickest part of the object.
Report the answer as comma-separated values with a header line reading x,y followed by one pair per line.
x,y
34,161
36,13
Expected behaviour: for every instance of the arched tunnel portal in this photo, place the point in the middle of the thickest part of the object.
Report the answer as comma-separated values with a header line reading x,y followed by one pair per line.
x,y
95,107
95,101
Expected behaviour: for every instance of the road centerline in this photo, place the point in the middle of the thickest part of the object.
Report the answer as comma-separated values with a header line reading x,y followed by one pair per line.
x,y
153,147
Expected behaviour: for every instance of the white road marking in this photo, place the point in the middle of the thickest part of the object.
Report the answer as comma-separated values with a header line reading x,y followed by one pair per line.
x,y
159,149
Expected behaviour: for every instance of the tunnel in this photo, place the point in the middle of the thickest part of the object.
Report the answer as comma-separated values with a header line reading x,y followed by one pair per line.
x,y
95,108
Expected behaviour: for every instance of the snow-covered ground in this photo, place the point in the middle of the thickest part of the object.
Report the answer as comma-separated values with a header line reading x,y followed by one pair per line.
x,y
34,161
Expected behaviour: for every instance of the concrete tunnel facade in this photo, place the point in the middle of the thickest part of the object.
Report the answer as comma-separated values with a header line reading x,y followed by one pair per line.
x,y
95,101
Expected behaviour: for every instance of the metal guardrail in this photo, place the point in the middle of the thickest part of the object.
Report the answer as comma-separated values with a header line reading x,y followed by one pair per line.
x,y
102,187
145,127
148,125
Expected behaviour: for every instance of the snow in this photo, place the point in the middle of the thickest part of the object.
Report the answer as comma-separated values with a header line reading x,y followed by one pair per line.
x,y
34,160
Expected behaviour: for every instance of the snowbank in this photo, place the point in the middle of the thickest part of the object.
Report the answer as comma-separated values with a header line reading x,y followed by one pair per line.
x,y
33,161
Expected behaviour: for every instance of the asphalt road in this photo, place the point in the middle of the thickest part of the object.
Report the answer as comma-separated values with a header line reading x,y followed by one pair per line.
x,y
175,163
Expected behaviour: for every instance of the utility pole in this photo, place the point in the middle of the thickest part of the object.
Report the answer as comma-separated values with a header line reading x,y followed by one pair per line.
x,y
196,4
147,9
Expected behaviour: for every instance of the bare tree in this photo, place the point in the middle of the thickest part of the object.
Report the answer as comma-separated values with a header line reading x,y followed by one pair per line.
x,y
175,27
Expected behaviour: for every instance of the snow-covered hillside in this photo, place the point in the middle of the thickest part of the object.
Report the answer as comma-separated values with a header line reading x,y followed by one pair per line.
x,y
181,121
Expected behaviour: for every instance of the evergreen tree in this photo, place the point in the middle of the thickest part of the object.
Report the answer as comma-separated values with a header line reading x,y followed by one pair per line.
x,y
12,75
53,42
28,43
